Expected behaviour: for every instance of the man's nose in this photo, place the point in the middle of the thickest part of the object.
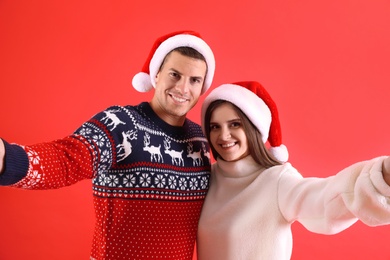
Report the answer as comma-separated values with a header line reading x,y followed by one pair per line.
x,y
183,85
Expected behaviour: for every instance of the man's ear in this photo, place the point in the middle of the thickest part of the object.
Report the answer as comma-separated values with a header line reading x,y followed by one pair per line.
x,y
157,76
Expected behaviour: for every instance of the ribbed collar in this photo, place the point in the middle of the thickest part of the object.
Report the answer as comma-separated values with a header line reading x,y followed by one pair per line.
x,y
146,109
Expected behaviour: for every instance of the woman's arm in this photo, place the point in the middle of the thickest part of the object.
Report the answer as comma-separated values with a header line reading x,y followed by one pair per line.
x,y
386,170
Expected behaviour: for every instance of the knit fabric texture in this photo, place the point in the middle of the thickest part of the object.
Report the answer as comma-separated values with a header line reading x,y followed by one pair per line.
x,y
149,180
249,210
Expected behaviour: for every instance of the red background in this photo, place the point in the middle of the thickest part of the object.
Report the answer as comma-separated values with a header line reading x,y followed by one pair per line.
x,y
324,62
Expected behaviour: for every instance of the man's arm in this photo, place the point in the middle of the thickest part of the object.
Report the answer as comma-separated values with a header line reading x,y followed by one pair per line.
x,y
2,155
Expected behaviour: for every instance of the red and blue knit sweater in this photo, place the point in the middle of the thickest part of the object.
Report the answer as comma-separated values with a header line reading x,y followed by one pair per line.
x,y
149,180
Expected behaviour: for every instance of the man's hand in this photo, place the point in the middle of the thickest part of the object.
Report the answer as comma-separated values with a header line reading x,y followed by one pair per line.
x,y
2,155
386,170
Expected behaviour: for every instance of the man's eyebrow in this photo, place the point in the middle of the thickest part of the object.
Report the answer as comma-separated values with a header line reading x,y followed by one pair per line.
x,y
198,77
193,77
175,70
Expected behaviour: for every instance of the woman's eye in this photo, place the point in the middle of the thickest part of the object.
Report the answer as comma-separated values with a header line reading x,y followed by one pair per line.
x,y
236,124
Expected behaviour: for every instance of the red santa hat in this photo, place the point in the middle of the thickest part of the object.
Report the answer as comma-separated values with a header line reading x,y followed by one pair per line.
x,y
145,80
256,103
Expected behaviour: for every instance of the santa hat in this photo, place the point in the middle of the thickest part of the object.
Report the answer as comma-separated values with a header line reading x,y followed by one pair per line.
x,y
252,98
145,80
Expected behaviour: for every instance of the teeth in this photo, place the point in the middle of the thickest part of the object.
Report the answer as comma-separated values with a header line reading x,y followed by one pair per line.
x,y
227,145
179,99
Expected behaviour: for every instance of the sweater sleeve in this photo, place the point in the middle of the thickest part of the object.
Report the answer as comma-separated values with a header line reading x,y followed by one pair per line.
x,y
48,165
15,164
91,149
330,205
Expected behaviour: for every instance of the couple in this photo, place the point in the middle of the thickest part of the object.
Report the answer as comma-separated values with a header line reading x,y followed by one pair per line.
x,y
150,167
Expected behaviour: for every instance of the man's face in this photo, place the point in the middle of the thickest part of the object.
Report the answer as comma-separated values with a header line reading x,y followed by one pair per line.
x,y
178,86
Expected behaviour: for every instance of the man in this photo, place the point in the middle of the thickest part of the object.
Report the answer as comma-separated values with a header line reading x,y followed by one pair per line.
x,y
149,164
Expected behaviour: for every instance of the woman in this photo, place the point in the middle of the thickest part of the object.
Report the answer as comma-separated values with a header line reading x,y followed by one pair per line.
x,y
255,195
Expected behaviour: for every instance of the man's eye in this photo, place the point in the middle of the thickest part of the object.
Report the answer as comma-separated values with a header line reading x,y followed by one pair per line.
x,y
174,75
196,81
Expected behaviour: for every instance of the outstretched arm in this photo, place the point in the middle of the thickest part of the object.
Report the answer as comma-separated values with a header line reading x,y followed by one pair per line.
x,y
2,155
386,170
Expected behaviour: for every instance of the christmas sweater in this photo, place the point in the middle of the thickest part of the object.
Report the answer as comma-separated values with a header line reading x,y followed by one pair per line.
x,y
249,210
149,179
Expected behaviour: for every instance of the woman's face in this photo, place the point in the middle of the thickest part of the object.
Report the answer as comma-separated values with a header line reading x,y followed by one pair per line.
x,y
227,135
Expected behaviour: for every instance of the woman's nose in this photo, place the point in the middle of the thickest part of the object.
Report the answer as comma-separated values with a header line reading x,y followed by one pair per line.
x,y
225,133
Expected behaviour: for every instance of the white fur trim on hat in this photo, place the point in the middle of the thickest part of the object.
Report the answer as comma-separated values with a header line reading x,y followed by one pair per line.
x,y
255,102
253,107
146,80
183,40
280,153
141,82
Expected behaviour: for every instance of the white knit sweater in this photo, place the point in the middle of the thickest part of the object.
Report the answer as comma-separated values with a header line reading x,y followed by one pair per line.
x,y
249,210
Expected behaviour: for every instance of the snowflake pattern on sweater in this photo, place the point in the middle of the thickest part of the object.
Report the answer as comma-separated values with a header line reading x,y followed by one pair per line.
x,y
149,180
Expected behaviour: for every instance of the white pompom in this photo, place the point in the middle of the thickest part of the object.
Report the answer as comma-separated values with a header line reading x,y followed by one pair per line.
x,y
280,153
141,82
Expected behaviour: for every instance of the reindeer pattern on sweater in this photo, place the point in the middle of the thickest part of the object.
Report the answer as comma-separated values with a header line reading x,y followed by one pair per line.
x,y
149,180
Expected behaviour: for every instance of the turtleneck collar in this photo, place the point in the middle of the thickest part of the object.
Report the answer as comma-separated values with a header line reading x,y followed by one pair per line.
x,y
238,169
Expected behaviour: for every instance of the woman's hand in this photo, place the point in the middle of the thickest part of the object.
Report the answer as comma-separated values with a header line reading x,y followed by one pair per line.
x,y
386,170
